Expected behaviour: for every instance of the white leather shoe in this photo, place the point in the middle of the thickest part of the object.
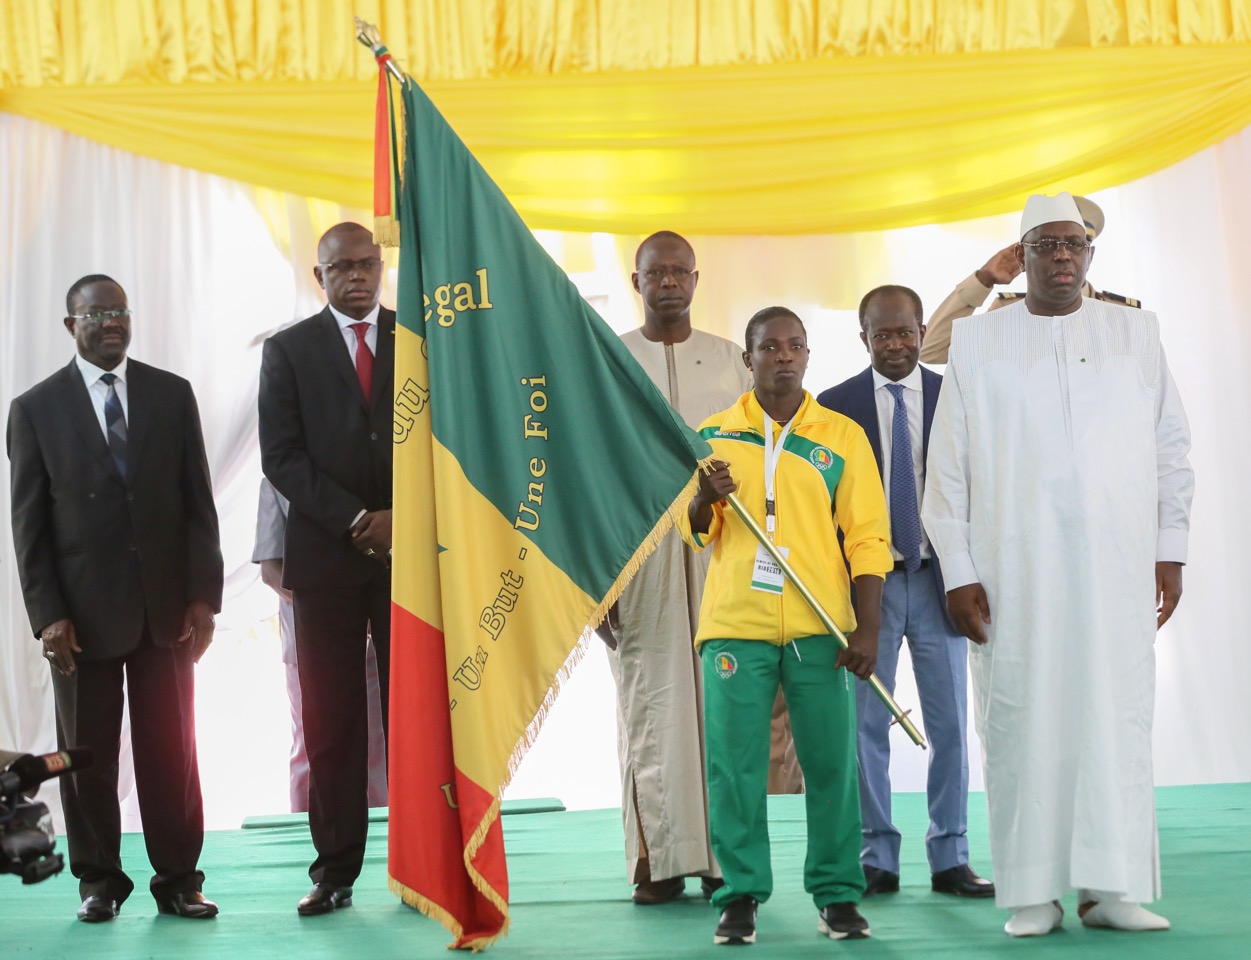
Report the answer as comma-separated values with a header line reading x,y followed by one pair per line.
x,y
1122,915
1036,921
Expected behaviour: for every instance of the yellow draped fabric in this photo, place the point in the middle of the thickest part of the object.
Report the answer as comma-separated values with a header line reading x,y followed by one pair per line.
x,y
707,117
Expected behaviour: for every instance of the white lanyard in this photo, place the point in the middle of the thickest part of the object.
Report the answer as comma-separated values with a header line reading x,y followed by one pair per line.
x,y
771,458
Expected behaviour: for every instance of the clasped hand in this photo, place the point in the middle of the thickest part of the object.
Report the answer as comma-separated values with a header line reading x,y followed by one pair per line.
x,y
372,535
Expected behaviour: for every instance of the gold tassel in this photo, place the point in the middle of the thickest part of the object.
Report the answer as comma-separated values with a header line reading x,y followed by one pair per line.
x,y
386,231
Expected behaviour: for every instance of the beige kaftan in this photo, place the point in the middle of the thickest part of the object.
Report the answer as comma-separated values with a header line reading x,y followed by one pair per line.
x,y
660,733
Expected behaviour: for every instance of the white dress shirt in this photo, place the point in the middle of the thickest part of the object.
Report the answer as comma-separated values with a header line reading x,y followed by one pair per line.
x,y
349,336
914,404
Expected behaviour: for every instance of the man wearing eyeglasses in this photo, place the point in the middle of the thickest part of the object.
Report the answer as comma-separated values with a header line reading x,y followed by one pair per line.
x,y
650,632
894,401
1058,497
1001,269
325,428
121,570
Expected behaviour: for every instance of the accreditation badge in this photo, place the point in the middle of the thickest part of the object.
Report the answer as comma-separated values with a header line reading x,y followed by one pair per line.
x,y
766,575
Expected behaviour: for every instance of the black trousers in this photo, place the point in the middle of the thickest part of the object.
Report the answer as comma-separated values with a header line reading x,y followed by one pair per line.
x,y
331,628
160,686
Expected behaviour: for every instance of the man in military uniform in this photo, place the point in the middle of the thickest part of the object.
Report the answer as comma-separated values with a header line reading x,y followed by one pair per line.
x,y
1002,268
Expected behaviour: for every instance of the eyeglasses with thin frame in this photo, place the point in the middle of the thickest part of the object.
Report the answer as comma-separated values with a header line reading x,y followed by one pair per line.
x,y
659,273
99,316
347,266
1052,246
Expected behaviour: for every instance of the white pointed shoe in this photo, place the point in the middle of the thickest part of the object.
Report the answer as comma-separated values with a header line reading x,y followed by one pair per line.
x,y
1122,915
1036,921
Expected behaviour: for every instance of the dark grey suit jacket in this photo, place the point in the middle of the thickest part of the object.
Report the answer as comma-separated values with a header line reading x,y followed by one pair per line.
x,y
105,551
323,447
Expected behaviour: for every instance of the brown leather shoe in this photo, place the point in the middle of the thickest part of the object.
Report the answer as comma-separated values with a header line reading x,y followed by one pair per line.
x,y
651,892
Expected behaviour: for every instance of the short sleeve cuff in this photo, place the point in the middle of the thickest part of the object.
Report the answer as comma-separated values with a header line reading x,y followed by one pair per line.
x,y
1171,545
876,564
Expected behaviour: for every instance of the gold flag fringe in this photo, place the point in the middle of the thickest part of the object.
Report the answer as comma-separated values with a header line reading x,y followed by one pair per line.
x,y
645,550
426,906
471,850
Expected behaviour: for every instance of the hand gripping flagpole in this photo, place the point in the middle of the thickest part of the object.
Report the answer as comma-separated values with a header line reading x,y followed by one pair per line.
x,y
901,716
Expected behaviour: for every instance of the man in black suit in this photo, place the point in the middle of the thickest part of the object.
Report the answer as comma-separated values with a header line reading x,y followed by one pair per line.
x,y
121,570
325,424
894,401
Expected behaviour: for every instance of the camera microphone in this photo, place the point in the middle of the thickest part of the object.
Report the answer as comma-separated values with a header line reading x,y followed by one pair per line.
x,y
29,771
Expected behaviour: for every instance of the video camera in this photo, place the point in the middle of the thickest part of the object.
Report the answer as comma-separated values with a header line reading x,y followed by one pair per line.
x,y
27,837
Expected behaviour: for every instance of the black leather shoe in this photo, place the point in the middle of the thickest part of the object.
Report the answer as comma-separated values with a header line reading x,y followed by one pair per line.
x,y
961,881
324,898
738,922
191,906
877,880
710,885
651,892
98,909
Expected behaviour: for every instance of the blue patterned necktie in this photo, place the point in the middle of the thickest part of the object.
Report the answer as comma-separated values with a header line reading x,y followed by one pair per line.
x,y
905,520
115,423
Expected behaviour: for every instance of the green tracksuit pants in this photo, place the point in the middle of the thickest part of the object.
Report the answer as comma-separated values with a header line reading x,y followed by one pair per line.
x,y
740,682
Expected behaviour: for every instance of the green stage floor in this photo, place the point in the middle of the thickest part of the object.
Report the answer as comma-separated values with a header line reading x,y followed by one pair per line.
x,y
570,899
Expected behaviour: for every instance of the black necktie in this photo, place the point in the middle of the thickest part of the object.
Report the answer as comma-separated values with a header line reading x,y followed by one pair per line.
x,y
115,423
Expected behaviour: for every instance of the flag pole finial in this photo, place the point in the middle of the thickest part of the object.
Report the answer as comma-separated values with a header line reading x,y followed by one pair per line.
x,y
369,36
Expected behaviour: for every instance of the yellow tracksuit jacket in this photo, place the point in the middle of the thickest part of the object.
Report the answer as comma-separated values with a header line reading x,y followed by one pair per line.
x,y
826,478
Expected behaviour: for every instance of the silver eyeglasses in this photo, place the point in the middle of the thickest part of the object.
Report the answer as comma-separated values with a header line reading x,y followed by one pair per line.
x,y
1050,246
347,266
99,316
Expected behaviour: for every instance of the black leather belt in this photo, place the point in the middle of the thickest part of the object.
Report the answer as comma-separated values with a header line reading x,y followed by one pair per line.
x,y
900,566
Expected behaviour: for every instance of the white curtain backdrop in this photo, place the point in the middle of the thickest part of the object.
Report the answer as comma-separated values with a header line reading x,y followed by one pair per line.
x,y
211,266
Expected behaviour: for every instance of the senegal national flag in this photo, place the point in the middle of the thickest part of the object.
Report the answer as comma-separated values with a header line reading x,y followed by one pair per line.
x,y
535,467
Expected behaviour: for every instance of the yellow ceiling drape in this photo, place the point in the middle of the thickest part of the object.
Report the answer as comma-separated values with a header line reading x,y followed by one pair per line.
x,y
709,117
81,42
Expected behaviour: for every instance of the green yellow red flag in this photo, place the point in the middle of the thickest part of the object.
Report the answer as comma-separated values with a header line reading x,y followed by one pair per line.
x,y
536,466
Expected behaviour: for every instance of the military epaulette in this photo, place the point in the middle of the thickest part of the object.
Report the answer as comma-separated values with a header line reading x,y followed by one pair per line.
x,y
1008,296
1117,298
